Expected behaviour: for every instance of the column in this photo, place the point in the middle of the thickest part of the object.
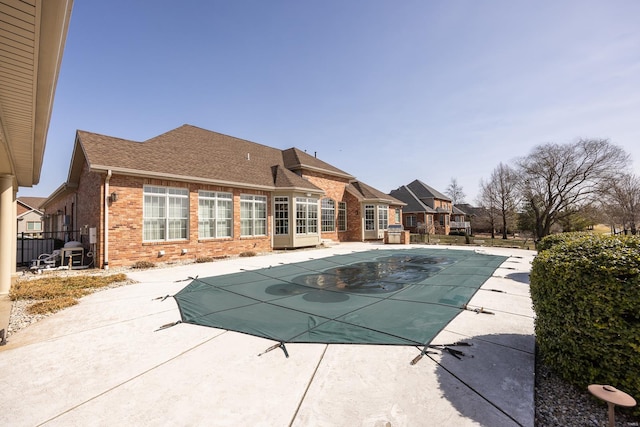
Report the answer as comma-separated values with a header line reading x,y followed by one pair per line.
x,y
7,237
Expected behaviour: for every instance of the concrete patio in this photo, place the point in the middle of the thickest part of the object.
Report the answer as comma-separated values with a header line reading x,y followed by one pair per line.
x,y
103,362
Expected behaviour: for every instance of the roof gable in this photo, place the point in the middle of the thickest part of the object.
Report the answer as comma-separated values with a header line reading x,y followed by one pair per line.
x,y
295,159
31,203
364,192
413,203
423,191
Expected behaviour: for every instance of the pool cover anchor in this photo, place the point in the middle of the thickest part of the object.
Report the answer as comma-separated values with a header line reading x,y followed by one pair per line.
x,y
477,310
443,348
423,352
273,347
168,325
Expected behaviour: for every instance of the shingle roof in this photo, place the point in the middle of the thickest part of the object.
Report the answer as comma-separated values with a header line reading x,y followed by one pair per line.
x,y
413,203
31,202
458,211
423,191
295,159
364,192
194,154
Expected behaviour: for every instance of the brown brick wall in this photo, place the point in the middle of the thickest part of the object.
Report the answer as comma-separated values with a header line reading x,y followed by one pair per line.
x,y
334,189
354,220
126,245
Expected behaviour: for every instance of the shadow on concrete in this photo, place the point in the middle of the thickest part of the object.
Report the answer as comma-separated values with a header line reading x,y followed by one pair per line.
x,y
493,382
519,277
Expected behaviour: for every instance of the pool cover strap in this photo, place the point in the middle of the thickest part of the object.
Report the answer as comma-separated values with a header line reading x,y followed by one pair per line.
x,y
389,297
273,347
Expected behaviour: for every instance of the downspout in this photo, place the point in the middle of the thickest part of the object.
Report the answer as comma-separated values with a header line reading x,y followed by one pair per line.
x,y
106,220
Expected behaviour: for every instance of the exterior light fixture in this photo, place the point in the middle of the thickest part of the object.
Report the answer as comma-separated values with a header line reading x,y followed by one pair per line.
x,y
113,197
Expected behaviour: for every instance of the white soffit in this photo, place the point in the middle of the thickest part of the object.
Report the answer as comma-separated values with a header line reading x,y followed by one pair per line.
x,y
32,38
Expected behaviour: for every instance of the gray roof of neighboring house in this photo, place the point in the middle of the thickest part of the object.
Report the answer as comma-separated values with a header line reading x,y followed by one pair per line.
x,y
423,191
413,204
458,211
471,210
190,153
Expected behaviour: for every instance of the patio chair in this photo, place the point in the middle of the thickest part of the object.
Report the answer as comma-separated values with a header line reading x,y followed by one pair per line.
x,y
46,260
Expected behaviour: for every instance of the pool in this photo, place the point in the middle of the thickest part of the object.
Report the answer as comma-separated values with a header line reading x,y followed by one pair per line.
x,y
390,297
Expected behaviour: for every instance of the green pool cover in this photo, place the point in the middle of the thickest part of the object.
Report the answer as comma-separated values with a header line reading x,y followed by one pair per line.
x,y
394,296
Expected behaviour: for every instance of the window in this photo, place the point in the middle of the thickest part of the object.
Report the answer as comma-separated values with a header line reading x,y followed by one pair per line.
x,y
306,215
383,217
215,214
281,215
253,215
397,211
34,226
342,216
369,217
328,215
410,220
165,213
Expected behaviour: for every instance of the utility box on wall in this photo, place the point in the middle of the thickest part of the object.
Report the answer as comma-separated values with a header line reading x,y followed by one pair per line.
x,y
93,236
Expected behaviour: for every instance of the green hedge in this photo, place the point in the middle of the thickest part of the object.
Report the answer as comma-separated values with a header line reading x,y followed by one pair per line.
x,y
586,295
553,239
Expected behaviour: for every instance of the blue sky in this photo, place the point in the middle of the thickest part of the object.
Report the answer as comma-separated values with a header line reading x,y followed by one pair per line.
x,y
388,91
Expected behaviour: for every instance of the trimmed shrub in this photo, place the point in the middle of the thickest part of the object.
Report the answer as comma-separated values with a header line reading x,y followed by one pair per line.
x,y
553,239
586,295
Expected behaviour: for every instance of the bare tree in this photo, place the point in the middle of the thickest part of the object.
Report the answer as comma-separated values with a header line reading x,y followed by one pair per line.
x,y
487,199
622,198
455,192
557,179
501,193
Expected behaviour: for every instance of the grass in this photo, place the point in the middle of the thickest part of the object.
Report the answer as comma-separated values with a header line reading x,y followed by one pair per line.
x,y
53,294
482,240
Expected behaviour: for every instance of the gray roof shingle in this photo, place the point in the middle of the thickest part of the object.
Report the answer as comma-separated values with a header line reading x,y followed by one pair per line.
x,y
423,191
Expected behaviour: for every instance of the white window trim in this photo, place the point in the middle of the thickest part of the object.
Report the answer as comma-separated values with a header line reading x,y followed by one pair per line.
x,y
254,200
328,211
215,196
281,201
342,211
166,194
307,202
383,217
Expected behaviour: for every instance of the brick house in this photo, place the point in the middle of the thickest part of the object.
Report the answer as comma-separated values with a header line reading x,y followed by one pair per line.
x,y
193,193
426,211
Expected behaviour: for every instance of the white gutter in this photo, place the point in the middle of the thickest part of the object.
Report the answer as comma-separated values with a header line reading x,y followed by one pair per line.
x,y
106,220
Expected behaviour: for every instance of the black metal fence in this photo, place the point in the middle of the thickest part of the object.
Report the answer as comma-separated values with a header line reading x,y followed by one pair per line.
x,y
31,245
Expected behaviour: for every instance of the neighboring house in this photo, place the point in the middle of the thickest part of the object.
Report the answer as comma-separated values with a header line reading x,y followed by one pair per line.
x,y
478,217
28,215
458,222
427,210
195,193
